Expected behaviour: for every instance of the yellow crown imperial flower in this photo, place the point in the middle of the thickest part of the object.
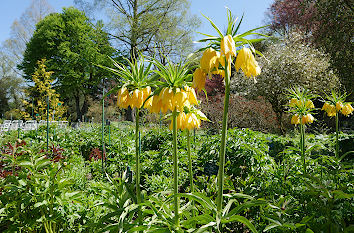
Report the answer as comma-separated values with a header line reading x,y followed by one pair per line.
x,y
180,121
293,102
166,98
339,106
199,78
309,104
134,98
331,110
155,104
347,109
192,96
307,119
325,106
209,60
140,100
227,47
179,99
295,120
191,121
246,61
123,98
146,93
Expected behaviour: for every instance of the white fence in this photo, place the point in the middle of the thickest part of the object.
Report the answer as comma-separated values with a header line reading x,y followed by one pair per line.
x,y
8,125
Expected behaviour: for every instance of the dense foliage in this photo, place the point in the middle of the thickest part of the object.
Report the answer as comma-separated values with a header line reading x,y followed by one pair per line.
x,y
63,188
72,47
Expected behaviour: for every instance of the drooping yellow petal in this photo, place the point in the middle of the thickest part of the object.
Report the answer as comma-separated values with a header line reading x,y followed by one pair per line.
x,y
339,106
347,109
140,99
192,96
293,102
227,47
199,78
209,60
295,120
247,62
325,106
179,99
309,104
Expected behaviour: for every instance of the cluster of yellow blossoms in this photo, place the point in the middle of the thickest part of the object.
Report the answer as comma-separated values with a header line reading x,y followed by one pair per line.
x,y
332,110
306,119
168,99
134,98
187,121
171,99
213,62
302,118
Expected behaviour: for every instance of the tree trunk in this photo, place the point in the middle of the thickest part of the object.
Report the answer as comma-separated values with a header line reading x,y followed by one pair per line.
x,y
77,104
129,114
84,108
279,115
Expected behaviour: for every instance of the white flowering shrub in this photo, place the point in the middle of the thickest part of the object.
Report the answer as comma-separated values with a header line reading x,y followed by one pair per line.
x,y
288,63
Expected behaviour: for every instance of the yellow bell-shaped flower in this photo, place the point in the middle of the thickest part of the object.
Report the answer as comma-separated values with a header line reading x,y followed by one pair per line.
x,y
179,99
122,98
199,78
134,98
209,60
293,102
331,110
246,61
347,109
307,119
192,96
309,104
325,106
339,106
227,47
295,120
191,121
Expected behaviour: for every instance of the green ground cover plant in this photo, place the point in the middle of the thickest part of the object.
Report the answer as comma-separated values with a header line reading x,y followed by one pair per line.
x,y
265,190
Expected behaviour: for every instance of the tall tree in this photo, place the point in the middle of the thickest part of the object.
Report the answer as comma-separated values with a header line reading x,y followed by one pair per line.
x,y
162,26
71,46
158,28
329,25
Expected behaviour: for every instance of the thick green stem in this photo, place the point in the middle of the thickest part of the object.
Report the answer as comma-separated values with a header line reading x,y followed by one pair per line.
x,y
190,161
337,135
175,166
137,165
137,160
223,140
190,167
47,123
102,134
302,146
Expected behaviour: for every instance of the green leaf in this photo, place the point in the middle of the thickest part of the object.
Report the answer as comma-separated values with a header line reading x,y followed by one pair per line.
x,y
271,226
241,219
38,204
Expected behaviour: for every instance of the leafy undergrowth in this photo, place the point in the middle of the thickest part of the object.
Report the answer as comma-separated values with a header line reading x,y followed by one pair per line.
x,y
63,189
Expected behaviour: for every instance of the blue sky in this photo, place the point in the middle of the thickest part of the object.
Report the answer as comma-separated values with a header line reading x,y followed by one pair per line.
x,y
253,10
